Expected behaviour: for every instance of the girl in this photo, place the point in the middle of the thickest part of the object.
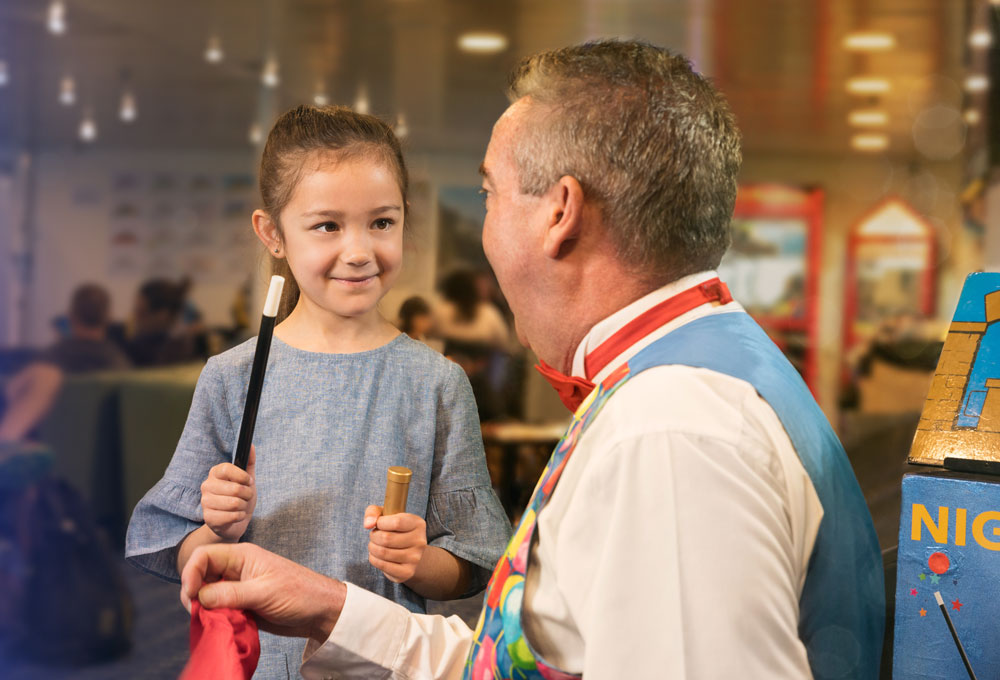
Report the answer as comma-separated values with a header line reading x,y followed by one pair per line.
x,y
346,395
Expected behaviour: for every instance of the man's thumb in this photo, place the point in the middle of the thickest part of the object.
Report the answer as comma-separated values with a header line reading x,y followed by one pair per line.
x,y
221,594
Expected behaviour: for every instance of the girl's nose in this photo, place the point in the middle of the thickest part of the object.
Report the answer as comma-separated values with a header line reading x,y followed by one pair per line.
x,y
357,249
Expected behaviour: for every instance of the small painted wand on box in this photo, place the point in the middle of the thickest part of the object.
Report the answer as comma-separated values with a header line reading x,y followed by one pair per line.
x,y
954,634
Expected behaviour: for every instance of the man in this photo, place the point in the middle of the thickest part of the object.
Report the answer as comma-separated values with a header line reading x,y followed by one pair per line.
x,y
699,520
30,394
87,348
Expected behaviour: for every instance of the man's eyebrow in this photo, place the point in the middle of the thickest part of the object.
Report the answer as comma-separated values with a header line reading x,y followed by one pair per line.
x,y
483,171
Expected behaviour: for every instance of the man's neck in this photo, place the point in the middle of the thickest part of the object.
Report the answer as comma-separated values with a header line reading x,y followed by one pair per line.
x,y
597,295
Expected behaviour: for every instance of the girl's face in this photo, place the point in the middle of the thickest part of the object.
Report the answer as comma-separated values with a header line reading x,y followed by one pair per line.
x,y
343,233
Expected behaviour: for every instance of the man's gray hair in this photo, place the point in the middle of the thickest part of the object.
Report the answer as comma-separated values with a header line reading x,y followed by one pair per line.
x,y
651,140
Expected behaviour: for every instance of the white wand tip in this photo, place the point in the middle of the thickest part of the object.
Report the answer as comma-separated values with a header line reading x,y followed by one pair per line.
x,y
937,596
273,296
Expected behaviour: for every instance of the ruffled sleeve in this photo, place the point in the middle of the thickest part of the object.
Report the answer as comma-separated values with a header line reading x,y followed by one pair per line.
x,y
471,524
172,508
464,515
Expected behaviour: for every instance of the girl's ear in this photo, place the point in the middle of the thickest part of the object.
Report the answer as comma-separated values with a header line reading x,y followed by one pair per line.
x,y
268,233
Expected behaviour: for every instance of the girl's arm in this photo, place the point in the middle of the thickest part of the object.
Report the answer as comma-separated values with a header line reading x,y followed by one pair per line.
x,y
228,499
203,535
440,575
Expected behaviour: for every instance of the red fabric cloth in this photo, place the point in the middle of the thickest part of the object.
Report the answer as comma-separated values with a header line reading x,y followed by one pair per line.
x,y
224,645
573,390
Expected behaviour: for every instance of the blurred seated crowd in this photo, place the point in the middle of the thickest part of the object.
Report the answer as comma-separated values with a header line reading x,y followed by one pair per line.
x,y
470,324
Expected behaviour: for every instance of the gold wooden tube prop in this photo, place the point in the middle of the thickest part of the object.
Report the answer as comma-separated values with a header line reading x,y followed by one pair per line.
x,y
397,486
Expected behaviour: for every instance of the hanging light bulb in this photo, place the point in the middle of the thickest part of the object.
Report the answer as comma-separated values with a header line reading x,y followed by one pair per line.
x,y
256,136
88,128
401,129
128,111
980,39
213,51
57,17
320,98
269,76
4,77
361,101
67,91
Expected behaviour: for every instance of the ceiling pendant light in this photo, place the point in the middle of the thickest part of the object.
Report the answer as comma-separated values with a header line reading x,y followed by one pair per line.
x,y
255,135
869,41
980,39
868,85
320,98
67,91
482,42
976,83
269,75
868,118
870,141
213,50
361,104
88,129
56,17
128,111
401,129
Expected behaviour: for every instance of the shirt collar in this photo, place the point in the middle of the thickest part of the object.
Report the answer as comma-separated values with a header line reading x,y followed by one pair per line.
x,y
607,327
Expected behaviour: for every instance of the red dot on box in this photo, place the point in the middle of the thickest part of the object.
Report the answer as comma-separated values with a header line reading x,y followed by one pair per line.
x,y
938,563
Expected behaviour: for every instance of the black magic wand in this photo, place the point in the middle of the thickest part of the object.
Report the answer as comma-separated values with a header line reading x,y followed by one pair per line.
x,y
257,372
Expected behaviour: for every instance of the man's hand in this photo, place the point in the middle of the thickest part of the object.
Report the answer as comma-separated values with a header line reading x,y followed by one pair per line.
x,y
396,543
228,499
287,598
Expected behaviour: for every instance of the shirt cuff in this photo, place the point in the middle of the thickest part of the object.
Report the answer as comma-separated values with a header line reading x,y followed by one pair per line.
x,y
364,643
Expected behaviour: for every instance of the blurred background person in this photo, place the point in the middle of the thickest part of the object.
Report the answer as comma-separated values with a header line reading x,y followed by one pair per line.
x,y
29,395
165,330
465,316
417,320
87,346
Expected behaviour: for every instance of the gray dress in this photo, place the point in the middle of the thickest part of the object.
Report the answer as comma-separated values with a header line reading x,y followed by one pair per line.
x,y
328,427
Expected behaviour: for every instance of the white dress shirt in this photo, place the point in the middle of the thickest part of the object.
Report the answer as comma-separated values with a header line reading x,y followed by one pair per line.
x,y
675,544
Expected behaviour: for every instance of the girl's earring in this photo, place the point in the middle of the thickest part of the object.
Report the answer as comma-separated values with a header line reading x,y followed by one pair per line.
x,y
276,249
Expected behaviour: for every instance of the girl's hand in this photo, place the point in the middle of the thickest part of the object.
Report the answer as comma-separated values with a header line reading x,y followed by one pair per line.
x,y
228,499
396,543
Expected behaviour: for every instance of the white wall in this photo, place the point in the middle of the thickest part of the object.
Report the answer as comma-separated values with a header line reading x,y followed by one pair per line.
x,y
71,222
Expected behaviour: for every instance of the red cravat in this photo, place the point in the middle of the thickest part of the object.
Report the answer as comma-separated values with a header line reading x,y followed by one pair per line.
x,y
224,645
573,390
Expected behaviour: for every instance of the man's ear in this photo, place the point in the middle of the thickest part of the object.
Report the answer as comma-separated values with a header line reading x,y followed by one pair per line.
x,y
268,233
565,216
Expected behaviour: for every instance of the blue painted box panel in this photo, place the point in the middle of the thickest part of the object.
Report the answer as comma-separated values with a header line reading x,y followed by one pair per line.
x,y
949,542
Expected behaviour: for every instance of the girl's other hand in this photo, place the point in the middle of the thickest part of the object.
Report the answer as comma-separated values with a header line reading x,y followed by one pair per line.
x,y
396,543
228,499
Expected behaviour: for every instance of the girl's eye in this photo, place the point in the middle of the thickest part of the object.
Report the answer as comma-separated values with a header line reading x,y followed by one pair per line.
x,y
327,227
383,223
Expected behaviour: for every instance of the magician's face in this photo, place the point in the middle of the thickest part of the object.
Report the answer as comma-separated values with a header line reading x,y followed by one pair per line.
x,y
513,227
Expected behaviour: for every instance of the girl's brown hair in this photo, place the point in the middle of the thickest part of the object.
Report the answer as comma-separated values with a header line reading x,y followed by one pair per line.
x,y
334,130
